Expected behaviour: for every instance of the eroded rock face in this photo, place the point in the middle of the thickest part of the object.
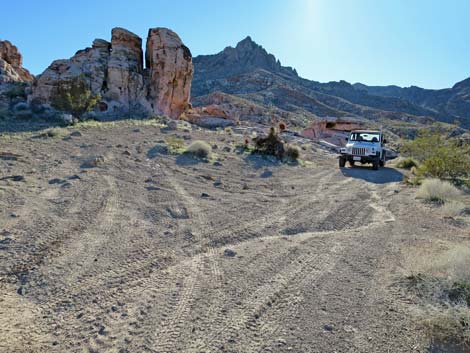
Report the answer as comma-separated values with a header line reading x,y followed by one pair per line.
x,y
115,70
170,67
11,64
125,81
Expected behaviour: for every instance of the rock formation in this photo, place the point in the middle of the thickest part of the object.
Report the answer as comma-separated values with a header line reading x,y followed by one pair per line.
x,y
115,70
11,64
170,67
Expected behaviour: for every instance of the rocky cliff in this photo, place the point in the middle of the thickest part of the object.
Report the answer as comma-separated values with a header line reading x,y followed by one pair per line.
x,y
11,64
116,71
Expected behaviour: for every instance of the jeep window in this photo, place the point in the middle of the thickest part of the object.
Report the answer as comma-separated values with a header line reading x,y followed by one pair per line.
x,y
363,136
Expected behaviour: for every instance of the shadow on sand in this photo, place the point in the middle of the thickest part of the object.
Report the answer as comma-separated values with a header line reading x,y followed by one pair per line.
x,y
381,176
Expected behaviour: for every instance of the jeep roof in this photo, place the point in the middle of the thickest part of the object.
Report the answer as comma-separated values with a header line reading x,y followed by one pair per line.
x,y
368,131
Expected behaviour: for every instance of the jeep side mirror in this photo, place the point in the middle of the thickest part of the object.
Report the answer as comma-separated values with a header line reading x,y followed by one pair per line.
x,y
385,141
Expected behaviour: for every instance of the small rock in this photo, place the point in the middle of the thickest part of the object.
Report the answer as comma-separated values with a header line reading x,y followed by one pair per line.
x,y
73,177
281,342
328,328
75,134
245,187
217,164
227,149
93,162
172,125
56,181
14,215
215,147
136,130
204,195
217,183
230,253
126,153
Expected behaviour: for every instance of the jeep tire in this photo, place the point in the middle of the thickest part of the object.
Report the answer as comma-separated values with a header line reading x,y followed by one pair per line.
x,y
375,163
342,162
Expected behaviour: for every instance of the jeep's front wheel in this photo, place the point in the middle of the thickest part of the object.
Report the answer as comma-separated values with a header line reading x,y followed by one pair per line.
x,y
375,164
342,162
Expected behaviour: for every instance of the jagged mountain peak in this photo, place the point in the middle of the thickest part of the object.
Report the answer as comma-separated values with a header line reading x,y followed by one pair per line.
x,y
246,56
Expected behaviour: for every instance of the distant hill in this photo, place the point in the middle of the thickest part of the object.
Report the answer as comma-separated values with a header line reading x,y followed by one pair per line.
x,y
250,72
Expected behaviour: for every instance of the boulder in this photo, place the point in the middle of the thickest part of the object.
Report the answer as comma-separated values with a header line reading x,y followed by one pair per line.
x,y
170,67
11,64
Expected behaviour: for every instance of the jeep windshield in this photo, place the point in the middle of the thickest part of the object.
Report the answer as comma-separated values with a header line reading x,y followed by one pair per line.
x,y
365,136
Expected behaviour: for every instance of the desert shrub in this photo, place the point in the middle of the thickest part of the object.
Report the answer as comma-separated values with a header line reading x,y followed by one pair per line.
x,y
4,112
55,132
438,156
407,163
200,149
292,153
228,130
437,191
20,107
17,90
270,144
175,144
75,97
443,285
453,208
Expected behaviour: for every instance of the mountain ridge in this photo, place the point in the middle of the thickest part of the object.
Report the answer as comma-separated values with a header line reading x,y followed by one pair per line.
x,y
239,71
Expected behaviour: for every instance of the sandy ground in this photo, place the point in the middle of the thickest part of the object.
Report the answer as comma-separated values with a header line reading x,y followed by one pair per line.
x,y
152,252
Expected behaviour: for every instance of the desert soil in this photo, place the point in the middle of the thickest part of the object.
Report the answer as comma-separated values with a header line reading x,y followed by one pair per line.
x,y
153,252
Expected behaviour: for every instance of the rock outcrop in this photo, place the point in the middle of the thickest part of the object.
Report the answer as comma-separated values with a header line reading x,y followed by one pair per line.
x,y
115,70
11,64
170,67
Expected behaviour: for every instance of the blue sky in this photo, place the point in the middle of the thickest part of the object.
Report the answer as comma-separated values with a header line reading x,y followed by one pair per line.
x,y
415,42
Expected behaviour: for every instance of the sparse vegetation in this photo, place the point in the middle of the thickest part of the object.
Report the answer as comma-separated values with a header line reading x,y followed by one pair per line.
x,y
55,132
270,145
175,145
407,163
436,190
75,97
292,153
443,284
439,157
200,149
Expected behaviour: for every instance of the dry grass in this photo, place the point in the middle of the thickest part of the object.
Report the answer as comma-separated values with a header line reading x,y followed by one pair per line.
x,y
436,190
453,208
406,163
200,149
442,284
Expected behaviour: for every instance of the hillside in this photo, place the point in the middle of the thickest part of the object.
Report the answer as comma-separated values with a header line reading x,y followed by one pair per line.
x,y
249,71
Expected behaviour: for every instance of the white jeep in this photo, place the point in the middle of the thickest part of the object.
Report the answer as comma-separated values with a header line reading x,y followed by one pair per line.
x,y
364,146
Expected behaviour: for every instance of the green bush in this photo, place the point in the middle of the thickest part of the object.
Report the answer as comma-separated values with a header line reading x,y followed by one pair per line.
x,y
270,144
17,90
75,97
439,157
175,145
407,163
292,153
200,149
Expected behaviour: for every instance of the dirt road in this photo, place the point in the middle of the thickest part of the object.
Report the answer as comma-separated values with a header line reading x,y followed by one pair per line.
x,y
151,252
